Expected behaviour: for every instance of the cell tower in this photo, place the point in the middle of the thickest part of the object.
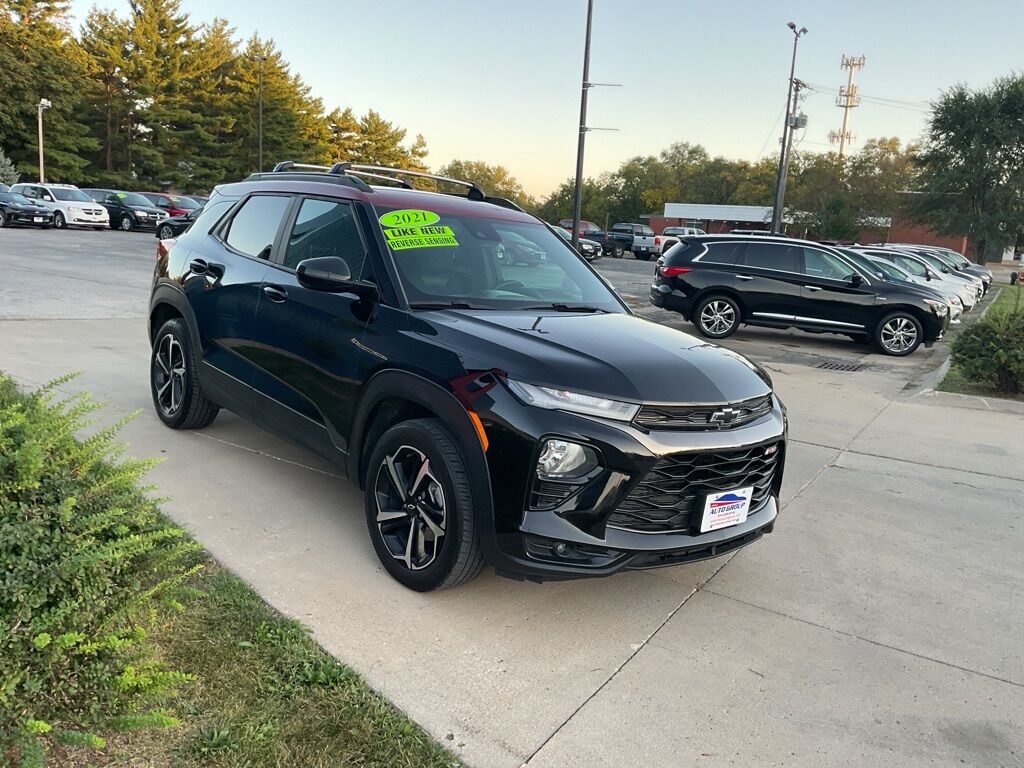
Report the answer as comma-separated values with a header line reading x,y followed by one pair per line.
x,y
848,98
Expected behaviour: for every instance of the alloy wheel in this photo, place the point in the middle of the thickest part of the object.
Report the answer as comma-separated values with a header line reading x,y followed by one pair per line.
x,y
58,220
898,335
411,511
165,233
169,374
717,316
126,224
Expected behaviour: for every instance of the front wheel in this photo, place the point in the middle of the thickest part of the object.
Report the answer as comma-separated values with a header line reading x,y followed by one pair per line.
x,y
58,220
126,224
898,334
717,317
174,383
3,219
419,507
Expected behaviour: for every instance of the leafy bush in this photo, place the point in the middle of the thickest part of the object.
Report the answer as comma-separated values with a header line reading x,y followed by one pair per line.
x,y
992,350
86,558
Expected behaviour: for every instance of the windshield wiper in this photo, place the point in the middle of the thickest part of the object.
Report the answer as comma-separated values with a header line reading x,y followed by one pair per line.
x,y
442,305
568,308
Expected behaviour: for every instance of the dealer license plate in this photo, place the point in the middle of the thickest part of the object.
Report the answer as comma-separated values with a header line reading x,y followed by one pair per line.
x,y
725,508
37,219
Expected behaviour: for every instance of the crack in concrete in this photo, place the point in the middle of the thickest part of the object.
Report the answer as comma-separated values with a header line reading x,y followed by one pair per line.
x,y
878,643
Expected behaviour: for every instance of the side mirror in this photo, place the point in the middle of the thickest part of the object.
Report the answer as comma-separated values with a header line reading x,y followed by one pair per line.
x,y
856,280
331,274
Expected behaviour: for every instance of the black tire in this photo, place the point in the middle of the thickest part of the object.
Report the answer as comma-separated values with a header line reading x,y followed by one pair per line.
x,y
717,316
898,334
189,409
3,219
165,233
415,447
58,220
618,251
126,224
642,256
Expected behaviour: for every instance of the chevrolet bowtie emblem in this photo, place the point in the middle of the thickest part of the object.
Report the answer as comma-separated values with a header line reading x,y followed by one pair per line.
x,y
724,416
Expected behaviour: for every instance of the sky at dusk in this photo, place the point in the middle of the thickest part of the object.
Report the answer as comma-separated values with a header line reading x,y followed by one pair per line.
x,y
499,80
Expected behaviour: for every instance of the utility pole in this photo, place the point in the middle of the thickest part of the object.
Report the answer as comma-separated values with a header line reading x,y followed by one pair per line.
x,y
847,99
43,104
259,59
577,194
780,182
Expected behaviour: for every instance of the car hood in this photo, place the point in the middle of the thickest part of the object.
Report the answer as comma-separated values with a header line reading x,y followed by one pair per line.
x,y
150,209
27,208
616,355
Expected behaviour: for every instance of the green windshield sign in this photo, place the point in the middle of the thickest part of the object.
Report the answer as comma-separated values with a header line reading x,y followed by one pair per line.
x,y
400,238
409,217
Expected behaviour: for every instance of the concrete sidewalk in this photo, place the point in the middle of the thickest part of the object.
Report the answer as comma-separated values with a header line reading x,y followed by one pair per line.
x,y
880,624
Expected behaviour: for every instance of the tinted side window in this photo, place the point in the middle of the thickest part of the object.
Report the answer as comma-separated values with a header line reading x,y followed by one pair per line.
x,y
820,264
722,253
647,231
772,256
325,228
212,213
255,226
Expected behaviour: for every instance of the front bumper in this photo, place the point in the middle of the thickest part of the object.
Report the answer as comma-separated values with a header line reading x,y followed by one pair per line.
x,y
87,220
30,218
579,537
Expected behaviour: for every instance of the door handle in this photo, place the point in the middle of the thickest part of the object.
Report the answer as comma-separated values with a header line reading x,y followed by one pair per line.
x,y
812,287
275,293
744,277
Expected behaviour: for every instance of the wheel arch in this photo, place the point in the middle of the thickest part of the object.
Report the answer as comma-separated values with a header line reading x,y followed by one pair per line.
x,y
918,314
166,303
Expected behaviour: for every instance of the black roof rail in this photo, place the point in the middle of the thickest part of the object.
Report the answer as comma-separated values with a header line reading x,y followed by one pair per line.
x,y
475,192
308,172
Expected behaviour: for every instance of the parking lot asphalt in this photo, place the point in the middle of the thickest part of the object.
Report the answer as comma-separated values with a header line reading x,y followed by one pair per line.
x,y
880,624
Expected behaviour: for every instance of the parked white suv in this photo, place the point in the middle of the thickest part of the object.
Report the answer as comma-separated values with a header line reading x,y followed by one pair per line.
x,y
71,206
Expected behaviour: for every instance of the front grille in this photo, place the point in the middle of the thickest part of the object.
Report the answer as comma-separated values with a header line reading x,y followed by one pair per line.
x,y
702,416
668,497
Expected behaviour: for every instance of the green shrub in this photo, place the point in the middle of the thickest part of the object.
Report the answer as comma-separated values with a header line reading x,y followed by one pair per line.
x,y
86,559
992,350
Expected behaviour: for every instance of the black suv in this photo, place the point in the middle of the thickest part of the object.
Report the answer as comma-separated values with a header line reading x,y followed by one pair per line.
x,y
493,411
128,210
719,282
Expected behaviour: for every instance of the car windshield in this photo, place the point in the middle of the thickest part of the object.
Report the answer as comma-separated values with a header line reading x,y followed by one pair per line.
x,y
183,202
133,198
70,195
14,197
476,262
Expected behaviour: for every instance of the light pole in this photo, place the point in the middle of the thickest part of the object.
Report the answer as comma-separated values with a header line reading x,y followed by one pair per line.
x,y
43,104
260,59
780,183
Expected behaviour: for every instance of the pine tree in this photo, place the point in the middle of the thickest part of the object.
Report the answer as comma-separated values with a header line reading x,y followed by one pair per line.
x,y
108,108
8,173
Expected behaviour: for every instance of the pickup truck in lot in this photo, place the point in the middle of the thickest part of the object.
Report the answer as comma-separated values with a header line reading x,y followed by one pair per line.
x,y
613,243
642,236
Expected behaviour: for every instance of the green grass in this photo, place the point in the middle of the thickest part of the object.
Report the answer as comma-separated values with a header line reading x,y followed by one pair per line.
x,y
1010,297
264,694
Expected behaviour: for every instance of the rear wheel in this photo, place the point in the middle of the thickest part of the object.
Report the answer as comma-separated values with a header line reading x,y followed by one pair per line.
x,y
899,334
177,396
419,507
617,251
166,233
642,256
717,317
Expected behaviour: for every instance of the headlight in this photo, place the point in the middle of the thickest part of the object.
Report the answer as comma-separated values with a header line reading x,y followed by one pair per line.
x,y
574,402
940,308
142,214
562,458
74,209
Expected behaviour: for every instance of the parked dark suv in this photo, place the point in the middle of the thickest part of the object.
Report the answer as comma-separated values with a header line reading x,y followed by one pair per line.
x,y
492,411
128,210
719,282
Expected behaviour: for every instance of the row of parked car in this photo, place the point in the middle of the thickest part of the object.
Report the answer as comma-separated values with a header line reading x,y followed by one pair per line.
x,y
638,239
65,205
896,296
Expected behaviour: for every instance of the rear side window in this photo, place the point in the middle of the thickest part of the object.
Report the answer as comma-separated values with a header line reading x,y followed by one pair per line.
x,y
723,253
784,258
212,213
254,227
325,228
646,231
